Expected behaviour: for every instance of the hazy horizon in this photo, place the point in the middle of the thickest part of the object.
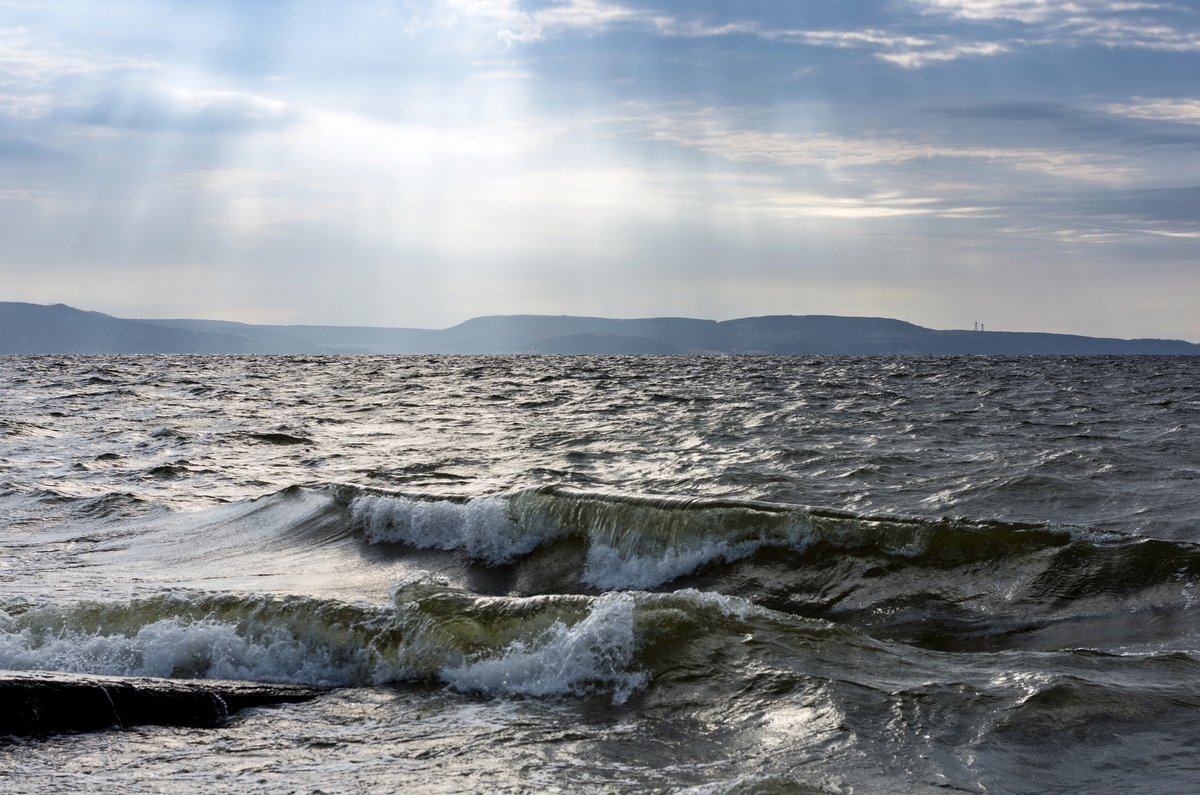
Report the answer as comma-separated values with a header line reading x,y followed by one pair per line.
x,y
535,332
976,326
1031,165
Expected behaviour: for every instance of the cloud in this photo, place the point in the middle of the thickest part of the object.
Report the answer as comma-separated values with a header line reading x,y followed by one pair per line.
x,y
27,106
1032,12
150,107
1178,208
1137,127
31,62
1027,11
915,58
1156,217
1186,111
786,204
1125,34
909,41
515,24
1108,23
911,50
24,150
710,131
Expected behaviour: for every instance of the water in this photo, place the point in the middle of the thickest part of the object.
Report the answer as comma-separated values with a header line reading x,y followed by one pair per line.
x,y
616,573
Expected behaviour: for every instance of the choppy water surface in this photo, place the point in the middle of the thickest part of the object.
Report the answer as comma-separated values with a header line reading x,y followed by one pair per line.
x,y
614,574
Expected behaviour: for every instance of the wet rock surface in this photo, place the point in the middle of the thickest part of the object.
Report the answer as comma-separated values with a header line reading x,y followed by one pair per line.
x,y
40,703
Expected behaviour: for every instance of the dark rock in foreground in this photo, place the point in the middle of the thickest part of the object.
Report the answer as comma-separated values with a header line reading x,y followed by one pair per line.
x,y
39,703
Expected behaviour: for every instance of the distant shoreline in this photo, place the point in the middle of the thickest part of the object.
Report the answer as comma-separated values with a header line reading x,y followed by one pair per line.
x,y
59,329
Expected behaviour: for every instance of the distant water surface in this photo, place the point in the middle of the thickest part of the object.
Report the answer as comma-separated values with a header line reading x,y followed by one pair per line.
x,y
726,574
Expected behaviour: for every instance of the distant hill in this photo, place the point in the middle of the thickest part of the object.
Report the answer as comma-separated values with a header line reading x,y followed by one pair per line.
x,y
34,328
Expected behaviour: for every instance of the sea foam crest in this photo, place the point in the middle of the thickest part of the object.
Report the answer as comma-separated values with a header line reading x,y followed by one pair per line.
x,y
638,542
592,654
175,647
537,646
481,527
725,605
609,568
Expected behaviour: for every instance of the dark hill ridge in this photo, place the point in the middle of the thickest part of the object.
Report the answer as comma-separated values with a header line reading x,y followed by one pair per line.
x,y
33,328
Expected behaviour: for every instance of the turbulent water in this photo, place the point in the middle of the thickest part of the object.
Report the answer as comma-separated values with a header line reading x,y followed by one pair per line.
x,y
614,574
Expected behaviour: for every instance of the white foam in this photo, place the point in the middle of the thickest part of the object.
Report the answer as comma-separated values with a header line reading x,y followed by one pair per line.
x,y
617,565
480,527
177,648
608,569
726,605
594,653
1092,535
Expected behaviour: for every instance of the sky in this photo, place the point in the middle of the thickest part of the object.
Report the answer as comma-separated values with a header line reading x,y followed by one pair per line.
x,y
1027,164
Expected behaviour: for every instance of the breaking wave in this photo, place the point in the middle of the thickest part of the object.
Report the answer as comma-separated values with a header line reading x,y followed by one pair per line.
x,y
537,646
639,542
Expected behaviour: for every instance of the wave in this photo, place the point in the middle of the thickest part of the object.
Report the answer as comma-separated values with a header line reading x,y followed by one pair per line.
x,y
632,541
481,527
949,583
535,646
701,655
1077,703
637,542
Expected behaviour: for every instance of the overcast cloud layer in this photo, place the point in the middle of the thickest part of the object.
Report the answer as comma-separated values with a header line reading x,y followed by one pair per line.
x,y
1031,164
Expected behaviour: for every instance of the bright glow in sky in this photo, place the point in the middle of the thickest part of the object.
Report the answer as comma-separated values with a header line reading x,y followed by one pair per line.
x,y
1030,164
